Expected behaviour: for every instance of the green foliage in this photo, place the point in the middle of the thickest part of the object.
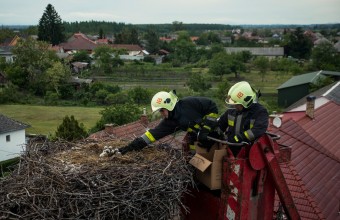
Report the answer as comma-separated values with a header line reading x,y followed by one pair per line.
x,y
223,63
7,166
222,89
298,45
321,82
262,64
107,58
152,41
117,115
6,34
57,75
33,58
70,129
9,94
140,95
326,57
50,27
198,83
129,35
81,56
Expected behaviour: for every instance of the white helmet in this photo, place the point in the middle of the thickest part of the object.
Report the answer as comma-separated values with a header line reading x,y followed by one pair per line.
x,y
241,93
165,100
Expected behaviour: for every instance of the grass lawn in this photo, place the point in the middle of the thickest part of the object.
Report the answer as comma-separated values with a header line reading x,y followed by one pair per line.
x,y
46,119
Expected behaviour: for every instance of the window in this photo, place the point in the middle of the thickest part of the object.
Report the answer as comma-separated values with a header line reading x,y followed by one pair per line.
x,y
8,138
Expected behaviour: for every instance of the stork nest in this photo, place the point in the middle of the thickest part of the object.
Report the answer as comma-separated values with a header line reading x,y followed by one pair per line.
x,y
64,180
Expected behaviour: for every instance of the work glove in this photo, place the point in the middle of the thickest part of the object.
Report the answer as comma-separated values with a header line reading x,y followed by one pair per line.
x,y
239,138
207,126
137,144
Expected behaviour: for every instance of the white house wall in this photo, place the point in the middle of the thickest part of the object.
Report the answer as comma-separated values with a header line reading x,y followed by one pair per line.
x,y
14,147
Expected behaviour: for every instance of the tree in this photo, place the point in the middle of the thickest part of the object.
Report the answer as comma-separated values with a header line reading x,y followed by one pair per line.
x,y
70,129
50,27
128,35
153,42
140,95
33,58
81,56
262,64
298,45
198,83
223,63
57,75
118,115
106,58
326,57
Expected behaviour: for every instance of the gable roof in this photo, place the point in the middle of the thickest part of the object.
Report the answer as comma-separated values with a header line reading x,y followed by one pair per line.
x,y
8,125
323,95
307,78
79,41
315,144
128,47
325,127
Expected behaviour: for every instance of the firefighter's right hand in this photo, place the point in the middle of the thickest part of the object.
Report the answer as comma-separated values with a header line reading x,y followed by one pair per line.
x,y
137,144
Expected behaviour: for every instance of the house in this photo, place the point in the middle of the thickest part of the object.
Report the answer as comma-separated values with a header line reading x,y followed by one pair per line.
x,y
299,86
78,42
78,82
269,52
12,137
314,140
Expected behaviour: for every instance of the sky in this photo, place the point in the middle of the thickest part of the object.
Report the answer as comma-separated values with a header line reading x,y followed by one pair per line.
x,y
233,12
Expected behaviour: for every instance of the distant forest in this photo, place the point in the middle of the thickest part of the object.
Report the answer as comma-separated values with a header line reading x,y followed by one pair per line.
x,y
93,27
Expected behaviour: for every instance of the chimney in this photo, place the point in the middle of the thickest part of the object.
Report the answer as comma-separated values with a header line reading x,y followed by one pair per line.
x,y
285,153
109,128
144,118
310,106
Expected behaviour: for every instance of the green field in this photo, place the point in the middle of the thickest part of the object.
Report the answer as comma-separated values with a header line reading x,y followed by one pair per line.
x,y
46,119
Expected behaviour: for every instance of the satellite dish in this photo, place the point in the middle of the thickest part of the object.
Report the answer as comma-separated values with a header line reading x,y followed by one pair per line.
x,y
277,122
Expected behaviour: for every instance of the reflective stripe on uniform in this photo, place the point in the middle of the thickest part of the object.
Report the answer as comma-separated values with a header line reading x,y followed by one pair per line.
x,y
249,135
252,123
192,147
231,120
148,137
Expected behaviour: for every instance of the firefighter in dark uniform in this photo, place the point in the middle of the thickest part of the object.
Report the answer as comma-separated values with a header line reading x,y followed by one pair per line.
x,y
190,114
246,120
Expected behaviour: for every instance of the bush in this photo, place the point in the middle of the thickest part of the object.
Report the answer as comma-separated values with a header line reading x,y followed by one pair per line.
x,y
70,129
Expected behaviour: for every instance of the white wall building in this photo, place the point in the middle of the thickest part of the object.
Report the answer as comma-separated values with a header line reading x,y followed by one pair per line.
x,y
12,138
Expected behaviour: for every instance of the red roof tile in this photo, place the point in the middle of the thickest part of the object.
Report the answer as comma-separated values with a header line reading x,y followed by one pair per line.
x,y
325,127
313,160
305,204
79,41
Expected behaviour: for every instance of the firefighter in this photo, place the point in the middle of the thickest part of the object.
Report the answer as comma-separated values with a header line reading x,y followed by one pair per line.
x,y
245,119
190,114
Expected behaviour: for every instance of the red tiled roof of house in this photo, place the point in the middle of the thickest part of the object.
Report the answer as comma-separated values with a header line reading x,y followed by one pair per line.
x,y
79,41
304,203
325,127
316,165
128,47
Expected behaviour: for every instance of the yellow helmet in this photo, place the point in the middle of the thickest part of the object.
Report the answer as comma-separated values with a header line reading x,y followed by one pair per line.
x,y
165,100
241,93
